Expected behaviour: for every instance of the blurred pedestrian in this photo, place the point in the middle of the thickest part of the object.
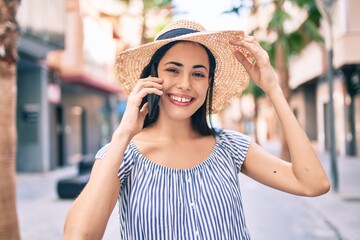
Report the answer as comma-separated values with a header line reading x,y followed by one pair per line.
x,y
174,175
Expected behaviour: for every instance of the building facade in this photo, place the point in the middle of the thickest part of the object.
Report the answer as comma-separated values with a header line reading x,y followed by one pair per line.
x,y
308,75
67,94
311,88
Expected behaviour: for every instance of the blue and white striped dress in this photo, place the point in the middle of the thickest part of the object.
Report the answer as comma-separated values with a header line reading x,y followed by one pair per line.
x,y
202,202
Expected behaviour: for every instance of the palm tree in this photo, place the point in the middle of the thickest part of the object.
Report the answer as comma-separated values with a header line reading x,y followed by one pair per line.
x,y
149,5
257,93
287,44
9,228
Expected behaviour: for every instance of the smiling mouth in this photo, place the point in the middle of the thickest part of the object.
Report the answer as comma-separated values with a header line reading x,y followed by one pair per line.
x,y
180,99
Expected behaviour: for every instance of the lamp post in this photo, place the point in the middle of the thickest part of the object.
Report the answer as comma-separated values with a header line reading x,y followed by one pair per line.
x,y
324,7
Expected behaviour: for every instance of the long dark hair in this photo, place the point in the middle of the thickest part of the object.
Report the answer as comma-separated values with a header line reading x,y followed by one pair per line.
x,y
198,119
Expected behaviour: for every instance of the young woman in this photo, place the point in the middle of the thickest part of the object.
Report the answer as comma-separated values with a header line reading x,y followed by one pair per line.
x,y
175,176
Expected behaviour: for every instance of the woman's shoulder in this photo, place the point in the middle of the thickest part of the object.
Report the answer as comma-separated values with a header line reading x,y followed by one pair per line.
x,y
223,134
233,143
130,149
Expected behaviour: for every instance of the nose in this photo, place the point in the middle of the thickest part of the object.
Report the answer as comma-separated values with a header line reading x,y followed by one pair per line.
x,y
184,82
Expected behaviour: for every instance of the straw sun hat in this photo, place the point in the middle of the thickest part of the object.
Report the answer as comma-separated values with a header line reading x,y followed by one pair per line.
x,y
230,77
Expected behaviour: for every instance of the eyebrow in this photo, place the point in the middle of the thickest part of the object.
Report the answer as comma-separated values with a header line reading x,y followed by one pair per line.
x,y
181,65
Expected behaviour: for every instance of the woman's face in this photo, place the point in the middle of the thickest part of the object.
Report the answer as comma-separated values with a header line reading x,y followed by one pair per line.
x,y
185,71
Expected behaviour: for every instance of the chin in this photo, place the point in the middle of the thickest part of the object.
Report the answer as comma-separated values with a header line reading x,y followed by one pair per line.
x,y
181,115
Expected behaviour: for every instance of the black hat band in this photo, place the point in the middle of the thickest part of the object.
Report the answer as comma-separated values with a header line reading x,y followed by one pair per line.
x,y
175,33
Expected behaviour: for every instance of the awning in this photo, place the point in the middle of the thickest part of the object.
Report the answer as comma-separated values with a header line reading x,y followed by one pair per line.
x,y
88,81
78,75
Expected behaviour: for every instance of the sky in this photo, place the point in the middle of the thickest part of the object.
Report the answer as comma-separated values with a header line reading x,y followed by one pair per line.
x,y
209,14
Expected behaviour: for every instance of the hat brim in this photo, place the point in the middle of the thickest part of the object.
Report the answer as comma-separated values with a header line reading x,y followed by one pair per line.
x,y
230,78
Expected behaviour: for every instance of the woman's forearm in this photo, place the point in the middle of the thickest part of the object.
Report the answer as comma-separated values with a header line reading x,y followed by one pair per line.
x,y
305,163
90,212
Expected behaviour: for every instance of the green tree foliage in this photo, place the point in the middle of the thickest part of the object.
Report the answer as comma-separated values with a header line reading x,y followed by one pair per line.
x,y
294,42
287,44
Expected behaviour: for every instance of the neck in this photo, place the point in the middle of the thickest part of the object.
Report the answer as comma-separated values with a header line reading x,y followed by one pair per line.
x,y
174,130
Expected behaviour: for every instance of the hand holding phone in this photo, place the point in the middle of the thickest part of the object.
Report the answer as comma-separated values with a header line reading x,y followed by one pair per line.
x,y
153,99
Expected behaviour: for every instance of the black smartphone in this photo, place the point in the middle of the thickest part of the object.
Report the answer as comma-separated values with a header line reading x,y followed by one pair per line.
x,y
152,99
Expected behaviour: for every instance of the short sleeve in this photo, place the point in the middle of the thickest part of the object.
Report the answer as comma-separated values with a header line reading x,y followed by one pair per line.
x,y
237,145
101,153
126,165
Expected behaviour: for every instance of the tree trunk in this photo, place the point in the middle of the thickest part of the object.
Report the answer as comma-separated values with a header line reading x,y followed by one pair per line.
x,y
143,32
255,119
283,71
143,27
8,218
9,228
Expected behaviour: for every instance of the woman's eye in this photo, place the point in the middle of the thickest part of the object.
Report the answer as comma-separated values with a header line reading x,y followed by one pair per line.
x,y
201,75
172,70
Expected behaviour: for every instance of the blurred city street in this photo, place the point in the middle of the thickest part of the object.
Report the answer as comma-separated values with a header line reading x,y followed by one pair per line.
x,y
59,77
270,214
283,216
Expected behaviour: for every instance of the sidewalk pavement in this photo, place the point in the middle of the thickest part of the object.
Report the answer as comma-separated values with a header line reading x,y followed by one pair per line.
x,y
335,215
341,209
42,213
270,214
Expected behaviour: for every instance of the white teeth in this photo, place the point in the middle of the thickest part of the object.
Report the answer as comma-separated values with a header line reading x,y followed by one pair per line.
x,y
180,99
